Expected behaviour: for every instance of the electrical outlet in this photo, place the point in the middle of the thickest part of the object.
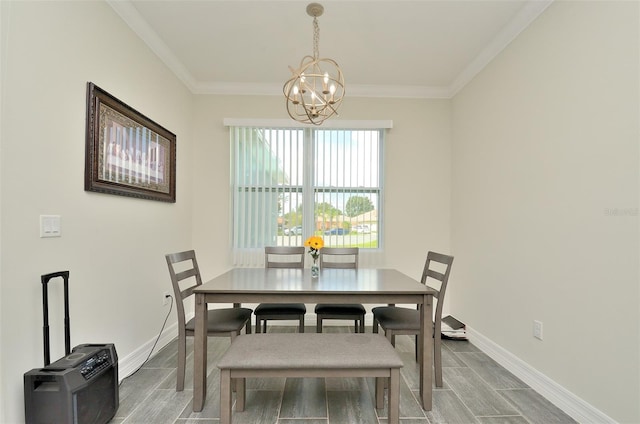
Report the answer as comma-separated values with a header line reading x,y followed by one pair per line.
x,y
165,298
537,329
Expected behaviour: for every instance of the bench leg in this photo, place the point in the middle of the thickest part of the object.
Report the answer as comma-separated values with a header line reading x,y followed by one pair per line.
x,y
394,396
225,396
241,394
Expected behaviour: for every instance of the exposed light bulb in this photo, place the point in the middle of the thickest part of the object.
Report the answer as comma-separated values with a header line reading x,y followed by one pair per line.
x,y
295,95
332,90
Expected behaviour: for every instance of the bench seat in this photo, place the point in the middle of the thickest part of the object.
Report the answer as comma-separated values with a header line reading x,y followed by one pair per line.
x,y
309,355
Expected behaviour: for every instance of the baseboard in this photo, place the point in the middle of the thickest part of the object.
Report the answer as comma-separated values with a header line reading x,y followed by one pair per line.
x,y
130,363
571,404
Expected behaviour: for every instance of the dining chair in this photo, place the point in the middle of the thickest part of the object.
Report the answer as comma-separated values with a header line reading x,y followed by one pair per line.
x,y
398,320
341,258
281,257
185,277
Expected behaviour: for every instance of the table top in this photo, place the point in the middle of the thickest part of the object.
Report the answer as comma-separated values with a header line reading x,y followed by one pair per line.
x,y
337,281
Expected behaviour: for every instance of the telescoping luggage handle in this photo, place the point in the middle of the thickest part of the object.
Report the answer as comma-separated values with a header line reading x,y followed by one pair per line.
x,y
45,310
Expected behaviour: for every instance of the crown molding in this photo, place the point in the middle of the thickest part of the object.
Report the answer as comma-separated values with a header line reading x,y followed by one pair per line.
x,y
404,91
132,18
530,11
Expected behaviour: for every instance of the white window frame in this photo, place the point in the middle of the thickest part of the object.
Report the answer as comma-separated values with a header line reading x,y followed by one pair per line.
x,y
246,256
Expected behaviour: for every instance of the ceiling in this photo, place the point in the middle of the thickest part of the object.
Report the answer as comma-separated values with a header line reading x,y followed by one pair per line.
x,y
386,48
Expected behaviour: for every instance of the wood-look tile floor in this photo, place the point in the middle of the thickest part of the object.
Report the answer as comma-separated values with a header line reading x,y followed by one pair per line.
x,y
476,390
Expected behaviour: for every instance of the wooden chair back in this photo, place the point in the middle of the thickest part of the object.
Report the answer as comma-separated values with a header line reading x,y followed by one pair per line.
x,y
284,257
442,276
339,257
185,276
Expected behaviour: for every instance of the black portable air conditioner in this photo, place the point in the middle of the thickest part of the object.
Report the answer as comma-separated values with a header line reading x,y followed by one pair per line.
x,y
81,387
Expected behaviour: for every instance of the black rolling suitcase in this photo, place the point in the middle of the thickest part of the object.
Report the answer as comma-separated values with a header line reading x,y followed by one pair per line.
x,y
79,388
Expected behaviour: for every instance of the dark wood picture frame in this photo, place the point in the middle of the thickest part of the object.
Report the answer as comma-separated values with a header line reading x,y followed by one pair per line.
x,y
126,153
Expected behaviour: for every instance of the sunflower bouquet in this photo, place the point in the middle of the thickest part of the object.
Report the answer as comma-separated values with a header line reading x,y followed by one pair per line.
x,y
314,243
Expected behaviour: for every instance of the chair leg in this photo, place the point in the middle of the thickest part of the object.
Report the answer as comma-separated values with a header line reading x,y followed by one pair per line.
x,y
182,359
380,385
356,328
257,325
374,329
362,324
302,323
318,324
264,326
391,337
437,357
247,327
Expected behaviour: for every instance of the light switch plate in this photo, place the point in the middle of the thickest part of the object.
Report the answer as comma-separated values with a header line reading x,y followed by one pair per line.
x,y
50,226
537,329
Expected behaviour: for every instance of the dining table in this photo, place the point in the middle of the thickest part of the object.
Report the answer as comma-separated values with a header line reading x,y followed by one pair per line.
x,y
340,286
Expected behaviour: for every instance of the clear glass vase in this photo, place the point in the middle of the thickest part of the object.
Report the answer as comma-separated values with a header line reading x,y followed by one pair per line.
x,y
315,269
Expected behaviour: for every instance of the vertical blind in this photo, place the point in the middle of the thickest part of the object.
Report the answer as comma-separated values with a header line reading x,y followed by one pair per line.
x,y
290,183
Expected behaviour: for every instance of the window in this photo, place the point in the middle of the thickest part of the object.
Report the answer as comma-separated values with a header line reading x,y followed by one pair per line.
x,y
290,183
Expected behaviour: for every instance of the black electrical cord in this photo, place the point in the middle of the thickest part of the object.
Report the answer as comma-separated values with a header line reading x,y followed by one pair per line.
x,y
156,342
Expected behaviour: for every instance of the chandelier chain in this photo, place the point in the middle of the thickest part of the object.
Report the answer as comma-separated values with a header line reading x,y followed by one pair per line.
x,y
316,38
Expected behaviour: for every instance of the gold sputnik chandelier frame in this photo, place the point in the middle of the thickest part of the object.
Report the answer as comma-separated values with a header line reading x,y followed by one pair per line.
x,y
316,89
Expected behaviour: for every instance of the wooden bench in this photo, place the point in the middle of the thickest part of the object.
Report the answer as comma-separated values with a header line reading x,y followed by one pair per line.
x,y
309,355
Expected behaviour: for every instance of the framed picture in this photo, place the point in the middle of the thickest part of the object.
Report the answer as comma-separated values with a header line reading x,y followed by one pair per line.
x,y
127,154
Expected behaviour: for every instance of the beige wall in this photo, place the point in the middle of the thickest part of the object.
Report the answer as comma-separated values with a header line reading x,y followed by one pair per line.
x,y
545,149
112,245
417,184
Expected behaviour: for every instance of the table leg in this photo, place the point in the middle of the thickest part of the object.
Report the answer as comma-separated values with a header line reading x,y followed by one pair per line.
x,y
200,354
426,357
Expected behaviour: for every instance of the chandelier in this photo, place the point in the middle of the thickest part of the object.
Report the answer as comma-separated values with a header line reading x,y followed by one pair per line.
x,y
315,90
